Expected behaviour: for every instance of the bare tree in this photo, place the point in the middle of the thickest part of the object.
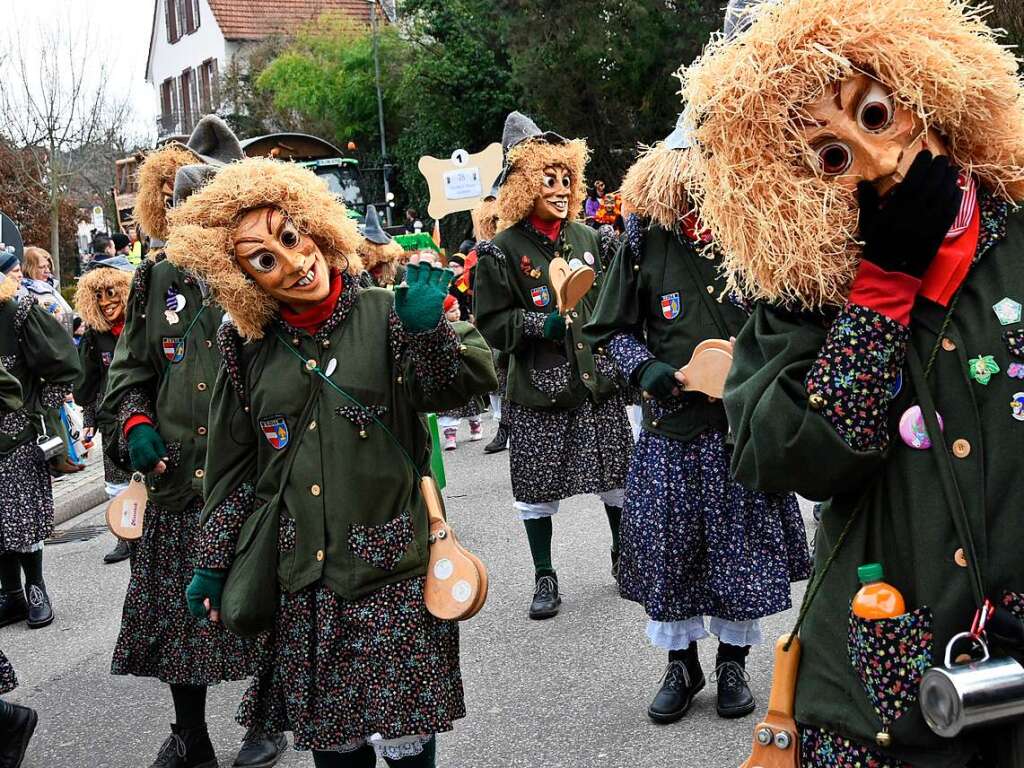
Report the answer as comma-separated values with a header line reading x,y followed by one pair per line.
x,y
55,103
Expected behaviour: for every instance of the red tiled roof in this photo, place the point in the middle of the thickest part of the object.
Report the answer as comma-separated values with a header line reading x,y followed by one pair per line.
x,y
256,19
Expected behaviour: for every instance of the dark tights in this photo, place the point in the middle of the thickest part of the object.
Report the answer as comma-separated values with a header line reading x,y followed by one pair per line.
x,y
365,757
13,563
189,705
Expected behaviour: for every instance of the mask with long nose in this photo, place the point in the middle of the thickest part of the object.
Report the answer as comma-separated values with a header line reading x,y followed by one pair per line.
x,y
284,262
858,132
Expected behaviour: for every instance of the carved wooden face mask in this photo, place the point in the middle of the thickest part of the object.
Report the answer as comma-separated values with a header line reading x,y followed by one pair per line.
x,y
282,261
553,202
111,305
858,132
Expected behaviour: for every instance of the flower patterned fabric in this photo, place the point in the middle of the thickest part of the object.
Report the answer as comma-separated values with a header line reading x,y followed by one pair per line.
x,y
855,375
891,656
26,514
1014,339
8,680
382,546
823,749
342,671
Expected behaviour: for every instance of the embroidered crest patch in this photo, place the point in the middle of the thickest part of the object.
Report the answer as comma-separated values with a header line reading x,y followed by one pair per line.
x,y
541,296
671,306
275,429
174,348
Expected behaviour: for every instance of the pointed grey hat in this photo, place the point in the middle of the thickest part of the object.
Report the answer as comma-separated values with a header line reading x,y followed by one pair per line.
x,y
681,137
739,15
520,128
372,230
189,179
214,142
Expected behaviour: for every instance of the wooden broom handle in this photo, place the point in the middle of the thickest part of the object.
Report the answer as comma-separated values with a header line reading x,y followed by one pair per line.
x,y
432,497
787,664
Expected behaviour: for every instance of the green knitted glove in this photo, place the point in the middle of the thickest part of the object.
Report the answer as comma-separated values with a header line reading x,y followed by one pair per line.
x,y
419,302
146,448
206,583
658,379
554,327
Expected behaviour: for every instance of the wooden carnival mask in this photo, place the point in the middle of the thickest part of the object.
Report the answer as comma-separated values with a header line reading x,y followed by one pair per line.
x,y
111,304
553,202
284,262
858,132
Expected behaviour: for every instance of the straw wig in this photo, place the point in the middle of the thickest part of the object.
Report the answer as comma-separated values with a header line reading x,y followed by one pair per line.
x,y
8,288
202,232
525,180
157,169
655,185
97,280
390,255
787,234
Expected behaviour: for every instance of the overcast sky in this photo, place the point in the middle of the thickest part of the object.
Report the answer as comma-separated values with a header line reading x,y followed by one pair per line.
x,y
118,29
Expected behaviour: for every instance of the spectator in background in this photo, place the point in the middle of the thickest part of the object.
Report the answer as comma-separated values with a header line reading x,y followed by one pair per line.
x,y
594,201
10,266
412,221
38,280
122,244
103,247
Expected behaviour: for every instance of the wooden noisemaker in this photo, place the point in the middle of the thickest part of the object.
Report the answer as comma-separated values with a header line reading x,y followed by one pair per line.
x,y
456,584
570,285
127,511
776,740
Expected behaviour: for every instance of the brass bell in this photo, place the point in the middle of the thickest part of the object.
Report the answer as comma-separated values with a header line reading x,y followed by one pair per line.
x,y
362,433
883,739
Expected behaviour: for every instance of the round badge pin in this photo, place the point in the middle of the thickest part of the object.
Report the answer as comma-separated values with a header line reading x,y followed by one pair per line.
x,y
575,264
172,317
913,431
589,258
1017,406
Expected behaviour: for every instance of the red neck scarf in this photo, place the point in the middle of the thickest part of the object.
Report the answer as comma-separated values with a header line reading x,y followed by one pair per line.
x,y
311,318
550,229
117,327
953,261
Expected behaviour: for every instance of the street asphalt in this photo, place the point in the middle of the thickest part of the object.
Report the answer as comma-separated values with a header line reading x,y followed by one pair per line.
x,y
569,692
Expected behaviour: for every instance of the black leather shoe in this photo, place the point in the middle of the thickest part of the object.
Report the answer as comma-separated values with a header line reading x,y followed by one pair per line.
x,y
545,598
186,748
734,696
500,441
678,687
40,612
118,553
15,733
260,750
13,607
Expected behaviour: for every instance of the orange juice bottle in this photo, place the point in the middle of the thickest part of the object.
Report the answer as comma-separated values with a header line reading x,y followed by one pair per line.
x,y
876,599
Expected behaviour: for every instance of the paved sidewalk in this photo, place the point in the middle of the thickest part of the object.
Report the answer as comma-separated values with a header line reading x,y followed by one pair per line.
x,y
77,493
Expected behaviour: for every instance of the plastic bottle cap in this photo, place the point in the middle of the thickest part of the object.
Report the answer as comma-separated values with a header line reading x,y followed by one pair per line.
x,y
870,572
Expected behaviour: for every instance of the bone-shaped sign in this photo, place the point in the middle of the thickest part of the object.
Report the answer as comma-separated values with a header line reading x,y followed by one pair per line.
x,y
460,182
570,285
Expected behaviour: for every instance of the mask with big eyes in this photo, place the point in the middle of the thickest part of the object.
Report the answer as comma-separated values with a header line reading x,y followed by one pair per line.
x,y
858,132
282,261
111,304
553,201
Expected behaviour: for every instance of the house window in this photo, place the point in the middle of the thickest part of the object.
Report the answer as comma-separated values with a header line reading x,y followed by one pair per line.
x,y
171,9
208,86
187,104
191,11
168,107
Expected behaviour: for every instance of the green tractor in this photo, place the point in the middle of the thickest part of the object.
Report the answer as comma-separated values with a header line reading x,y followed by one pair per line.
x,y
323,158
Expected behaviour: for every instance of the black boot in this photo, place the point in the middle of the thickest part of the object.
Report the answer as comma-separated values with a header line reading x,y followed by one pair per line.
x,y
15,732
500,441
680,683
545,597
118,553
260,750
13,607
40,612
734,696
186,748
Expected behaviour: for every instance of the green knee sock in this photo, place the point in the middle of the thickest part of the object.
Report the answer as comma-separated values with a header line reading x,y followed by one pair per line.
x,y
538,532
614,518
424,759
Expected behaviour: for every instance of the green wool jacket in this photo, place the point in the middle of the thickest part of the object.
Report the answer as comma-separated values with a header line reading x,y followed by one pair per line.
x,y
892,492
95,353
661,293
351,513
10,391
164,368
511,306
37,351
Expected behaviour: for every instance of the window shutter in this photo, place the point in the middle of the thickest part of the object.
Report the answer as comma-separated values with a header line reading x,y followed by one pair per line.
x,y
190,19
204,87
193,93
195,15
214,85
186,105
182,14
172,22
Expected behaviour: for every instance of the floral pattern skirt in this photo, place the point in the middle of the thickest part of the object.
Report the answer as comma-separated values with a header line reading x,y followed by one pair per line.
x,y
556,454
343,672
26,514
159,637
8,680
696,543
470,410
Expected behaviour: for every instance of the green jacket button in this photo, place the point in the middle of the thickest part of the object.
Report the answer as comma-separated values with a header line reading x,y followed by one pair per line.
x,y
312,424
586,377
816,401
200,474
200,431
325,343
579,345
310,364
961,448
315,489
949,345
320,555
201,386
654,423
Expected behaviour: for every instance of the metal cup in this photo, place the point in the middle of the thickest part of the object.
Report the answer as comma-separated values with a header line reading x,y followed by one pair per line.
x,y
50,445
966,695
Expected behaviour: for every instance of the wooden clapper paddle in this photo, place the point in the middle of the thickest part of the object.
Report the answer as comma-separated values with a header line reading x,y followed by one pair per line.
x,y
127,510
456,585
570,284
776,741
708,367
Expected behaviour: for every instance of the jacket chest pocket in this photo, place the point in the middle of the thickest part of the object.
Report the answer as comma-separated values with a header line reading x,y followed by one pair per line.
x,y
382,546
